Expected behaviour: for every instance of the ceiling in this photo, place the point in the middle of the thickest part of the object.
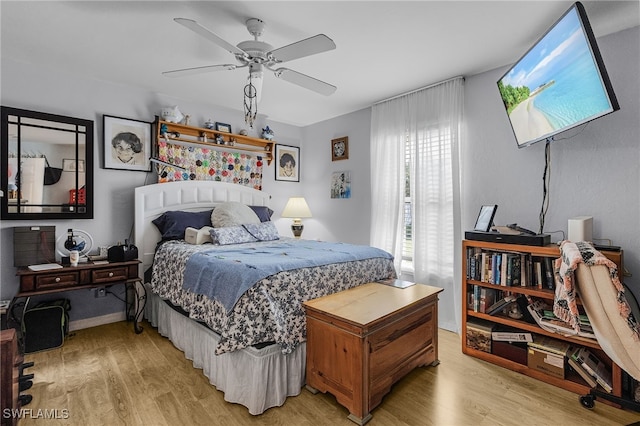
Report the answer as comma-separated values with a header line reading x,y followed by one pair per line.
x,y
384,48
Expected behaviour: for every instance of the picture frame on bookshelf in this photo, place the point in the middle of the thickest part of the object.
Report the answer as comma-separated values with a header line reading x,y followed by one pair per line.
x,y
485,218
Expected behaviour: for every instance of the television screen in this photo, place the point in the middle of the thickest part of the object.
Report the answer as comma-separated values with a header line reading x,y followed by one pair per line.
x,y
560,83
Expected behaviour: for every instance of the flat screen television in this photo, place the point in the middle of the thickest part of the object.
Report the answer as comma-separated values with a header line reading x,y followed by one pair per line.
x,y
560,83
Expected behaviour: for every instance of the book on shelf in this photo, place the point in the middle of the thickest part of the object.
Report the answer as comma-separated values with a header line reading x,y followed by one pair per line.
x,y
549,279
537,273
555,325
575,363
550,345
501,304
596,368
511,336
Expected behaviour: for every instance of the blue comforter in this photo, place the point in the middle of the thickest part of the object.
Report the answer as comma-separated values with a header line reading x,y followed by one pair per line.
x,y
225,274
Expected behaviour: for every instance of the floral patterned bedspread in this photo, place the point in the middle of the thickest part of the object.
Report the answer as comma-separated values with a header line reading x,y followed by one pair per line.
x,y
270,311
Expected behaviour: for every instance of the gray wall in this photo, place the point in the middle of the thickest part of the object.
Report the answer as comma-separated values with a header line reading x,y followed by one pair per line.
x,y
595,173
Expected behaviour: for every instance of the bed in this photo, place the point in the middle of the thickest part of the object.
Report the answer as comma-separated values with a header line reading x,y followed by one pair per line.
x,y
252,349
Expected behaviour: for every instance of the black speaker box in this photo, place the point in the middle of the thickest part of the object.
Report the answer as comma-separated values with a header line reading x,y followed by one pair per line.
x,y
496,237
122,253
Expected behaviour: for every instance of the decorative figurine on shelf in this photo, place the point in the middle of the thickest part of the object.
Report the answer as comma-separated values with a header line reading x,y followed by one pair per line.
x,y
209,124
267,133
244,132
186,120
172,114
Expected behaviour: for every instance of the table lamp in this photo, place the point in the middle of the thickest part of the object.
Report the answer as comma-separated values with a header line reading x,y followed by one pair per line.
x,y
296,208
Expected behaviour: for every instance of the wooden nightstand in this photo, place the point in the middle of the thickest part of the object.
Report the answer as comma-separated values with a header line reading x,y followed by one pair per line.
x,y
362,340
85,275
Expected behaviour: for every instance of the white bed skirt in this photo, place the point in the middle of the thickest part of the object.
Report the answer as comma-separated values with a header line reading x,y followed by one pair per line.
x,y
256,378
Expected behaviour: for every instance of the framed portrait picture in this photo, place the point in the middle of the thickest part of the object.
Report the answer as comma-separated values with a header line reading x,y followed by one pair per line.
x,y
485,218
340,149
287,163
127,143
222,127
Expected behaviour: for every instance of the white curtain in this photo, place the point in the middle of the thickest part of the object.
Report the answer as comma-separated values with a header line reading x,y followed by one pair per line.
x,y
427,124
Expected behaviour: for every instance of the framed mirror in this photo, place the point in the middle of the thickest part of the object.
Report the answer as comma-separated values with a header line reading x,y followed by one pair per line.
x,y
47,164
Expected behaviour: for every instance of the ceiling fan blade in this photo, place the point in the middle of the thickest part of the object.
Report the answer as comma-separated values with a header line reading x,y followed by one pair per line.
x,y
198,70
305,81
307,47
206,33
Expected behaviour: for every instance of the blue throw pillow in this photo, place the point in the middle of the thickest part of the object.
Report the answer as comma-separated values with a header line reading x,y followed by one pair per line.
x,y
264,213
265,231
231,235
172,224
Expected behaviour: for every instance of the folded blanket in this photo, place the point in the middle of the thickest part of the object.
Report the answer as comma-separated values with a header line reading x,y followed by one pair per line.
x,y
565,306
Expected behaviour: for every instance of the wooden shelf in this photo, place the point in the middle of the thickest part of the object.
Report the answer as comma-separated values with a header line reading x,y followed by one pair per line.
x,y
572,382
203,136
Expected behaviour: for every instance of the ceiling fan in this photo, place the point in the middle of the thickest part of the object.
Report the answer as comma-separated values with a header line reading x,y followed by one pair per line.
x,y
258,55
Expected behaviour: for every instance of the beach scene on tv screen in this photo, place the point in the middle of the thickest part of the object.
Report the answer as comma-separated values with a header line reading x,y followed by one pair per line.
x,y
555,86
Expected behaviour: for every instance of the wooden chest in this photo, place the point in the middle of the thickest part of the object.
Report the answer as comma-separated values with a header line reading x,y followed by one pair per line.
x,y
363,340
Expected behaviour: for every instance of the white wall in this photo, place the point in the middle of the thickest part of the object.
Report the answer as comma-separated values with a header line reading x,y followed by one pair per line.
x,y
595,173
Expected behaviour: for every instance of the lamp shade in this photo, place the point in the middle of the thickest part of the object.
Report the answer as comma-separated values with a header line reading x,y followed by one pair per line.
x,y
296,208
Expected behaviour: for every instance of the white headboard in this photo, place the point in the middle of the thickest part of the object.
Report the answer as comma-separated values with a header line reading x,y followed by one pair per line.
x,y
153,200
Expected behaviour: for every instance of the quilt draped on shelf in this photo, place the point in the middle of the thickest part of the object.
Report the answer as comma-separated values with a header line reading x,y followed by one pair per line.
x,y
565,306
202,163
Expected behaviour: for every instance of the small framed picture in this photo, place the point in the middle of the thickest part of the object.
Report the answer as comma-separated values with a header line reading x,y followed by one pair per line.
x,y
341,184
485,218
71,165
222,127
126,144
288,163
340,149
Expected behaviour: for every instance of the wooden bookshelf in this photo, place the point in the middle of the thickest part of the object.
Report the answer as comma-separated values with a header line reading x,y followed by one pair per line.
x,y
572,381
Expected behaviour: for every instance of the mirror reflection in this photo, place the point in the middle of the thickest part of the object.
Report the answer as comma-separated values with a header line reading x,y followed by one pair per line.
x,y
48,160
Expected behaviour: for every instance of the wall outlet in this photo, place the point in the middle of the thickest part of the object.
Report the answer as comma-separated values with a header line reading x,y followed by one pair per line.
x,y
100,292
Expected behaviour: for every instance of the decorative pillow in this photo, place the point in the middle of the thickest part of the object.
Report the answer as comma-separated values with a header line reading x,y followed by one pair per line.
x,y
264,213
265,231
231,235
198,236
172,224
232,214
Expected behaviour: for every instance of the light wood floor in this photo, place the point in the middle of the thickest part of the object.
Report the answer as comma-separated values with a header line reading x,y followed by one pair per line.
x,y
108,375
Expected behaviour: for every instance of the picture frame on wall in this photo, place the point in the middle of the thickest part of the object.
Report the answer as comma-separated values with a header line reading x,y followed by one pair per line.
x,y
340,149
287,163
341,184
126,143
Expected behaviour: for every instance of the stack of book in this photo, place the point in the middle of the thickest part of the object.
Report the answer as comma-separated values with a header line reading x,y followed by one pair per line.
x,y
544,317
590,365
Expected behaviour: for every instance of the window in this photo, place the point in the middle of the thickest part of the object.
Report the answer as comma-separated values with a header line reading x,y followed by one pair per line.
x,y
435,142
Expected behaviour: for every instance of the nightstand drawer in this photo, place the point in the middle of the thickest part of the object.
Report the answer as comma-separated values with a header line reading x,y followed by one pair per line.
x,y
63,279
106,275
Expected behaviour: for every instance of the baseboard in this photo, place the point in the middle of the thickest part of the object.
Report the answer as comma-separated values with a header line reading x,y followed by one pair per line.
x,y
96,321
